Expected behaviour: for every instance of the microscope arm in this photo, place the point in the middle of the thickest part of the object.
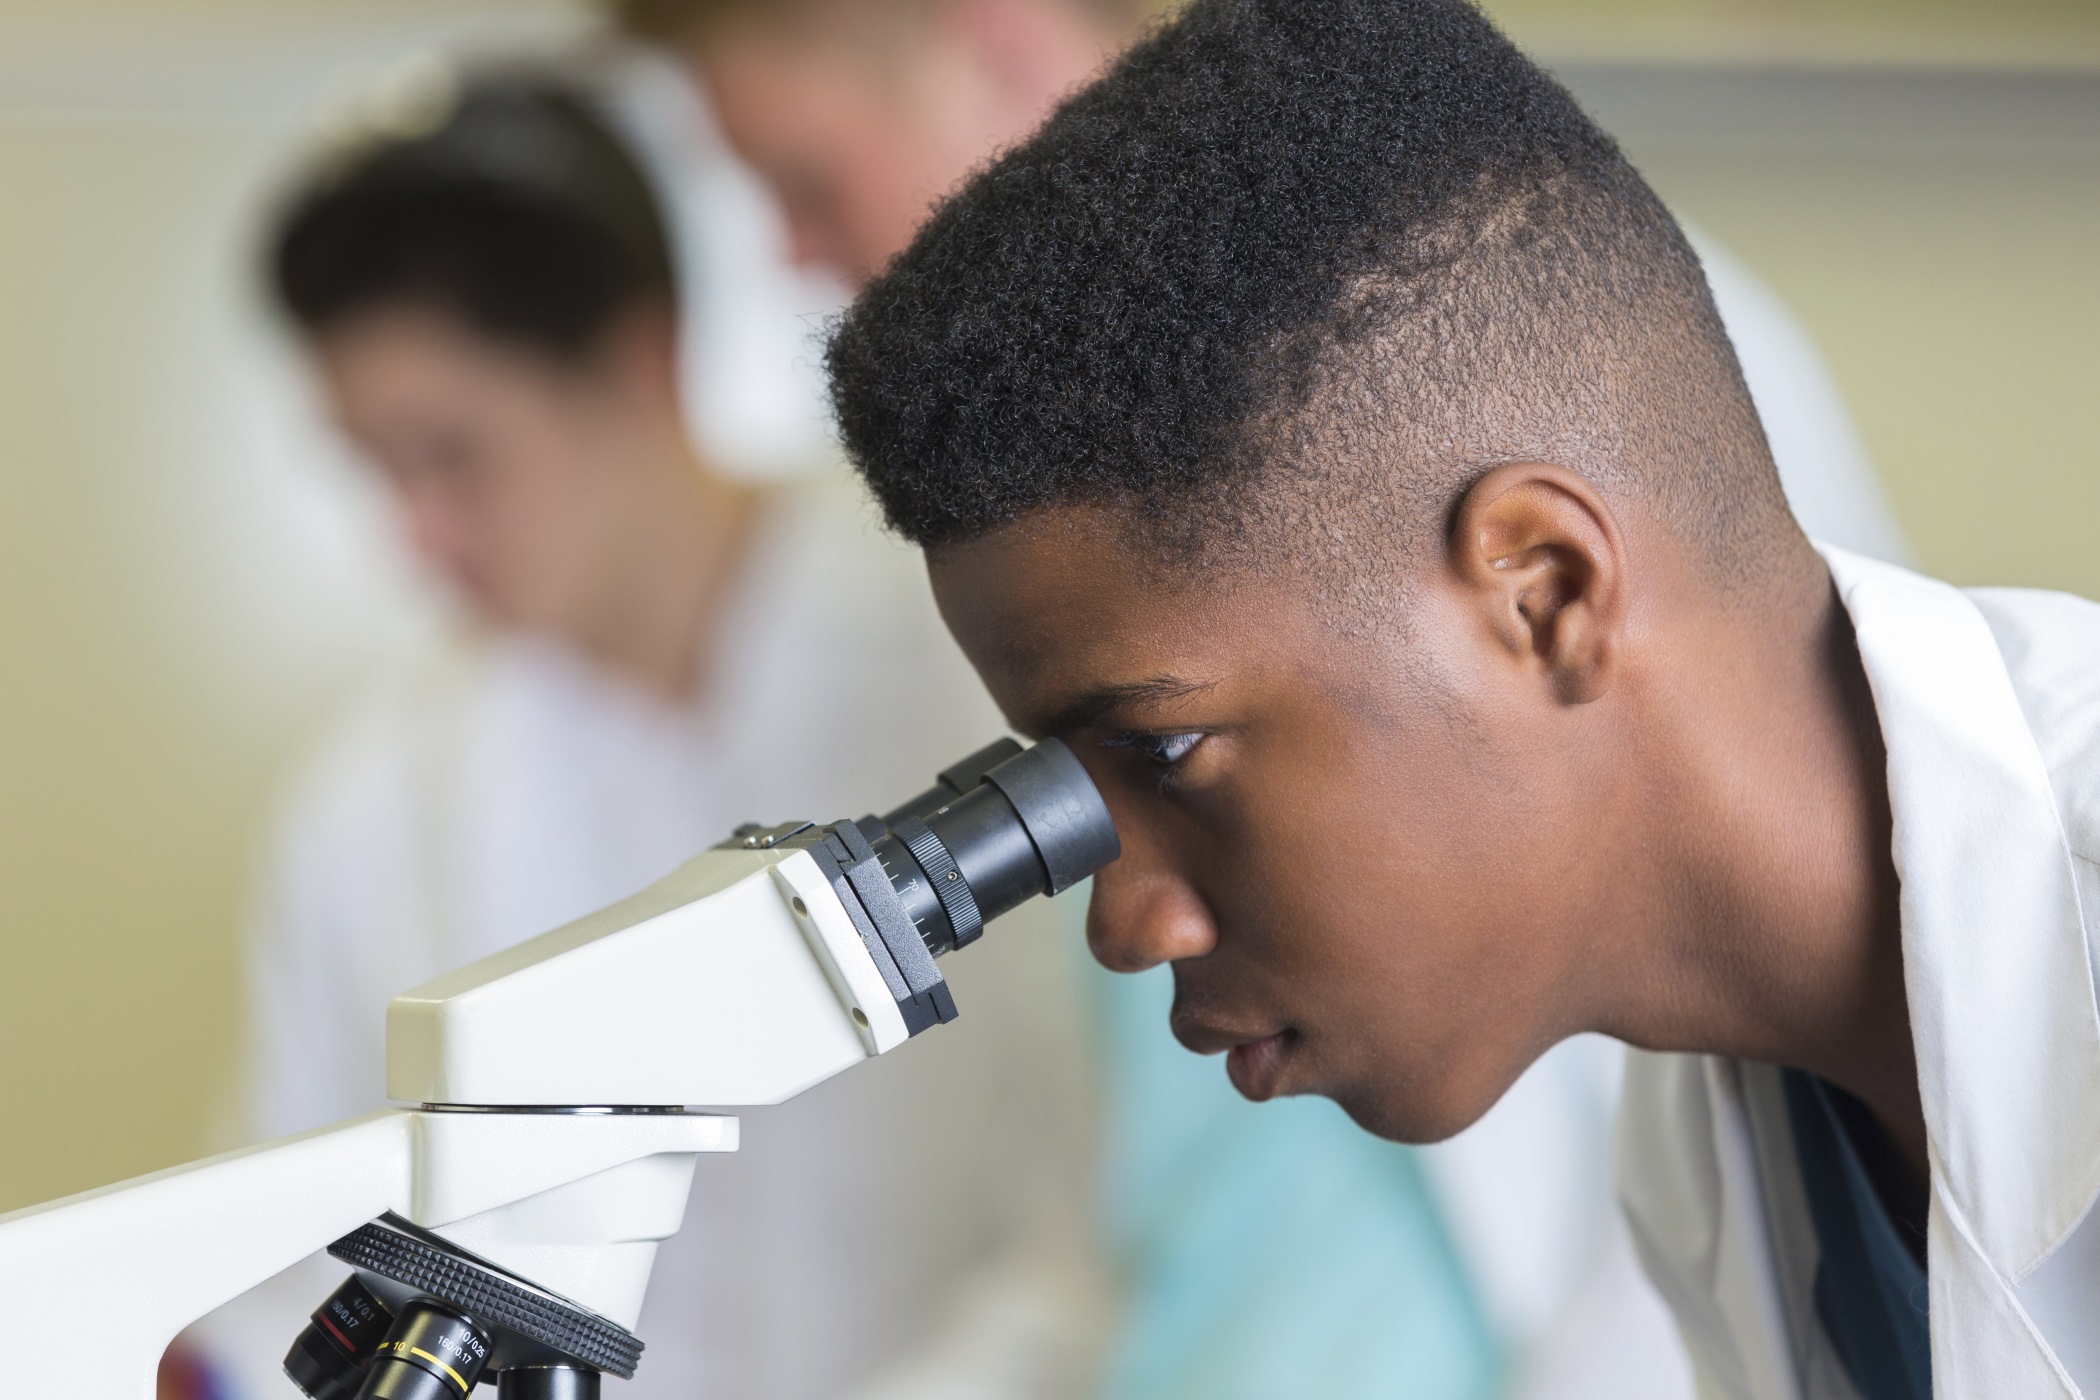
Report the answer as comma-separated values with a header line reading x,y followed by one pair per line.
x,y
703,988
92,1288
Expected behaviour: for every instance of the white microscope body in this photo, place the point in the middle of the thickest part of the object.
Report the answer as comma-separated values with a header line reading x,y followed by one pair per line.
x,y
551,1139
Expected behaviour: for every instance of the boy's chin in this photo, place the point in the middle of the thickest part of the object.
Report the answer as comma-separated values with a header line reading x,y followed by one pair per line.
x,y
1405,1118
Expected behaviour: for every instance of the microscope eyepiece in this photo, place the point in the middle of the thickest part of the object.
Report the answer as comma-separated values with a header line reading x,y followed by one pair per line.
x,y
1061,810
1000,827
1015,823
954,780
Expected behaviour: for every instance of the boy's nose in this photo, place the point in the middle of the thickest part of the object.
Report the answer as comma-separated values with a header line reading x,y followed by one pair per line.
x,y
1143,915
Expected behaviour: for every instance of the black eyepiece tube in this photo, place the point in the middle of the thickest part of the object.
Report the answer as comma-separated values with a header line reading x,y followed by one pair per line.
x,y
954,781
1062,809
1032,824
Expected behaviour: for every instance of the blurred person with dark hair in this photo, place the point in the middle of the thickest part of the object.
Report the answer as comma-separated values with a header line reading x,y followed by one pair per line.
x,y
492,308
1279,1252
650,651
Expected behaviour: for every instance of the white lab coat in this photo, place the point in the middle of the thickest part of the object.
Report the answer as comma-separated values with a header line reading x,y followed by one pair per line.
x,y
1989,703
937,1197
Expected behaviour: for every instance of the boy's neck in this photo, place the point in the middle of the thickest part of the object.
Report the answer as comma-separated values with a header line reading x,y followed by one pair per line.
x,y
1784,943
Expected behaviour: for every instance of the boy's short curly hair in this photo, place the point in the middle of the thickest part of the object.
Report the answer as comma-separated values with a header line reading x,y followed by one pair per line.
x,y
1301,270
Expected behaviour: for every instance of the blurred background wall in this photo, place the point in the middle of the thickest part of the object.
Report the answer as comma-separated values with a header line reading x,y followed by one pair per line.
x,y
190,574
1937,231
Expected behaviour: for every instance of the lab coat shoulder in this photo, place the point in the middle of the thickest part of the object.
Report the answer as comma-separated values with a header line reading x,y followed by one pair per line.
x,y
365,756
341,869
371,769
2051,646
1990,706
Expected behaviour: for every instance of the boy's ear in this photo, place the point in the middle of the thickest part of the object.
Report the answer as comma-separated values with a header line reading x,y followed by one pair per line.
x,y
1541,557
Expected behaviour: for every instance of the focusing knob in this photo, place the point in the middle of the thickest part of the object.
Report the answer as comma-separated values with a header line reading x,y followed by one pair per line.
x,y
949,886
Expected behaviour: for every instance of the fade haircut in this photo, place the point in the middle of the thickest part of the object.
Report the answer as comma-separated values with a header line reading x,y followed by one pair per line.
x,y
1280,286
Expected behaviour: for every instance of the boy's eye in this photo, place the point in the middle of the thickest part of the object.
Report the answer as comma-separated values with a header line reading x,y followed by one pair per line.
x,y
1166,750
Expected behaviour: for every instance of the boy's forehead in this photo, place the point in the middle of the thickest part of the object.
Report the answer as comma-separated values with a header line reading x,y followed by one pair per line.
x,y
1060,614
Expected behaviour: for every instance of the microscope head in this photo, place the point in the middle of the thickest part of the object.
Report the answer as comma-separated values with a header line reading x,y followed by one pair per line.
x,y
764,966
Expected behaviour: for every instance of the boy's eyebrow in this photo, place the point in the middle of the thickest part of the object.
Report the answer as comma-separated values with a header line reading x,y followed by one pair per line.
x,y
1097,702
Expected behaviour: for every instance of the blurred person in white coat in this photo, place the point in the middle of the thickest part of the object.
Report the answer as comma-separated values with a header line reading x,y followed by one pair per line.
x,y
650,652
860,114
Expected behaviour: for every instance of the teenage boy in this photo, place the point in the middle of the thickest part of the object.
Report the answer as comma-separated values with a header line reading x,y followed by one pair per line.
x,y
860,114
1322,427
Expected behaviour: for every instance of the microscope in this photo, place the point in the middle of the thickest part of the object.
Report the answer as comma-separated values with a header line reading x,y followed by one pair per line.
x,y
503,1229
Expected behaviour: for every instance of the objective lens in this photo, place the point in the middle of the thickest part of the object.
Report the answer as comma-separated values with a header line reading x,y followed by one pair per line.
x,y
546,1383
327,1359
432,1353
1033,824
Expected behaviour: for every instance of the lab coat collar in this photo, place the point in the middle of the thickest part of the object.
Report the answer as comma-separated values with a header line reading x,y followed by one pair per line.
x,y
1994,949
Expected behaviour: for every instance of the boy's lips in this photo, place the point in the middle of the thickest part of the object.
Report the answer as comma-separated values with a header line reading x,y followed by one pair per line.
x,y
1256,1067
1255,1062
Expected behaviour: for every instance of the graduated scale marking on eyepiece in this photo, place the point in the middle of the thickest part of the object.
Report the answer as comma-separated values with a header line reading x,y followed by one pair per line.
x,y
505,1227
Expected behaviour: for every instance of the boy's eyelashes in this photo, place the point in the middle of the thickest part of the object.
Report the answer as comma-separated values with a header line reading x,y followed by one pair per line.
x,y
1164,750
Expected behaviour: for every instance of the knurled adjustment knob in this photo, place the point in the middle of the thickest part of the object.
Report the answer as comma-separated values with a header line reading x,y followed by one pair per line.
x,y
946,877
